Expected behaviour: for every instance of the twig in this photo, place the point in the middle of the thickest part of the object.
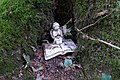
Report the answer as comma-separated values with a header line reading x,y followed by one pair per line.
x,y
102,41
95,22
68,21
46,41
109,44
33,48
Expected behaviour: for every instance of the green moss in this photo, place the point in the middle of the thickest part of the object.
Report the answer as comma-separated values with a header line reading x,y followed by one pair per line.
x,y
6,66
93,54
22,22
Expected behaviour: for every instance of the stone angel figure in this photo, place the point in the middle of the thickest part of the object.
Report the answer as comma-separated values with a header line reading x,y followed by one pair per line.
x,y
60,46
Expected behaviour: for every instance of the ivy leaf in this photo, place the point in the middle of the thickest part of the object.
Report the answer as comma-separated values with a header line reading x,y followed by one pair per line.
x,y
67,62
106,77
69,34
66,31
27,58
118,4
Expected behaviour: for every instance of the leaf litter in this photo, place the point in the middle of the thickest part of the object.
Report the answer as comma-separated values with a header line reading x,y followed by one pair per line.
x,y
55,68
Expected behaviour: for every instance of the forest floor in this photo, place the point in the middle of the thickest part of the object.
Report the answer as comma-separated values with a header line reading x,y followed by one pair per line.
x,y
54,68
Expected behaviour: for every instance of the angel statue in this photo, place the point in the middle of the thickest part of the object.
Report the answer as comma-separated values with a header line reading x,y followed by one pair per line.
x,y
56,33
60,46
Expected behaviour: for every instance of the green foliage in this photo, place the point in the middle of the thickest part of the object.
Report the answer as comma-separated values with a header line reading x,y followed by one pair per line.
x,y
27,59
95,56
15,16
22,23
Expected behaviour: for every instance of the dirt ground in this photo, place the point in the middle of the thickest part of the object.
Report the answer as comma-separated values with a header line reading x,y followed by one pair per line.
x,y
53,69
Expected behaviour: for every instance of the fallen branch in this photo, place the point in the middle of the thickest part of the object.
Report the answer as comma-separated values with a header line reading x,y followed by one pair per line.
x,y
102,41
96,21
109,44
93,23
68,21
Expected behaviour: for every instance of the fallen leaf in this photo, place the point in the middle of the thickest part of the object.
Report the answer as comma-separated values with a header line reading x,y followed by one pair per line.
x,y
118,4
2,78
38,69
102,13
66,31
67,62
106,77
77,65
61,64
27,58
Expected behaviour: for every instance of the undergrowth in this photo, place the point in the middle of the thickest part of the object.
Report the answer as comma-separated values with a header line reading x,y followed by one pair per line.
x,y
22,23
95,57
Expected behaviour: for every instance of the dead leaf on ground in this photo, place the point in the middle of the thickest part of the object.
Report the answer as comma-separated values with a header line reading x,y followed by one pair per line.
x,y
38,69
105,12
2,78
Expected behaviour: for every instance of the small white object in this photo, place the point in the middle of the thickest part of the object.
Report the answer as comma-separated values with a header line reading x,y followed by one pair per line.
x,y
60,46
